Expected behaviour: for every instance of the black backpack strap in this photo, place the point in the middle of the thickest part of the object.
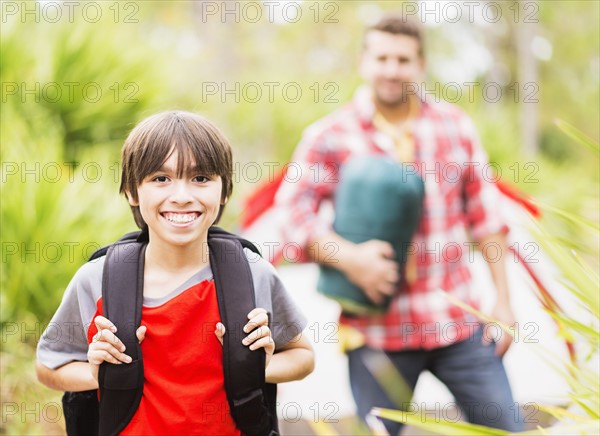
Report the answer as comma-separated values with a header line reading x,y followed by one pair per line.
x,y
251,403
81,408
121,385
215,231
128,237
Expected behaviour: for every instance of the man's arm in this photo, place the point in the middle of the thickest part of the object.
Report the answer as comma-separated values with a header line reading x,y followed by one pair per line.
x,y
484,215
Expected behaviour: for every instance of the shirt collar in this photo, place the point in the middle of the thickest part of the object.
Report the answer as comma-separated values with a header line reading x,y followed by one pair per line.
x,y
366,110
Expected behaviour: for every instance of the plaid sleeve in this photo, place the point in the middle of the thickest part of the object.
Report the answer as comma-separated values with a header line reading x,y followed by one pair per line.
x,y
309,180
481,195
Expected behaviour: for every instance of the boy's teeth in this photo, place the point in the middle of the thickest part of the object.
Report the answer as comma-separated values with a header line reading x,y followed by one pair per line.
x,y
180,217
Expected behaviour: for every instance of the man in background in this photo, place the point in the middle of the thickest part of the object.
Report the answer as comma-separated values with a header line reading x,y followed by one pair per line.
x,y
423,329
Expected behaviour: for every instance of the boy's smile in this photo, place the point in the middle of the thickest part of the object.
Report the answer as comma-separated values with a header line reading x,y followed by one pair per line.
x,y
180,219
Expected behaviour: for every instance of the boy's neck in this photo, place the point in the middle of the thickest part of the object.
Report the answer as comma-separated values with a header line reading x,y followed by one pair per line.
x,y
177,259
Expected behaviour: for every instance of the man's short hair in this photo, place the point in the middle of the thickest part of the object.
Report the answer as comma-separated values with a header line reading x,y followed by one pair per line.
x,y
398,25
201,149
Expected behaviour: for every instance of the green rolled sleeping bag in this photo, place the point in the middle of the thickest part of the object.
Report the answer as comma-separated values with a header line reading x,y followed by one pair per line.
x,y
376,198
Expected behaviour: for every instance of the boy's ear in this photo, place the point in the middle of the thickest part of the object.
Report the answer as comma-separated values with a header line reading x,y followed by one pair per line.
x,y
224,202
131,200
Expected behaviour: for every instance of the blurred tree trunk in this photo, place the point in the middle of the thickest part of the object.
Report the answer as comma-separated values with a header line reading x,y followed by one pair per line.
x,y
495,39
527,73
216,24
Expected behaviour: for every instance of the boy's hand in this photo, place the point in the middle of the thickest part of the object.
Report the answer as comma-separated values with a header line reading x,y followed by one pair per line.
x,y
107,347
260,337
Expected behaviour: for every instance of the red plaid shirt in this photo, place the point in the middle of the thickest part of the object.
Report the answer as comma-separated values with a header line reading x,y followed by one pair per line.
x,y
460,205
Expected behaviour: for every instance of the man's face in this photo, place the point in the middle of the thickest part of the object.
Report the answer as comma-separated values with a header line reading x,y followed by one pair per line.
x,y
391,64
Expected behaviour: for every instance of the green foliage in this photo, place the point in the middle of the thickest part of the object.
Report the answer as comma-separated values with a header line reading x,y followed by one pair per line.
x,y
27,407
52,217
445,428
93,89
578,135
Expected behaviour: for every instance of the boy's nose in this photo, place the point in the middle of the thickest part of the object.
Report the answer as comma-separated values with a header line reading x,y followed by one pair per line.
x,y
181,192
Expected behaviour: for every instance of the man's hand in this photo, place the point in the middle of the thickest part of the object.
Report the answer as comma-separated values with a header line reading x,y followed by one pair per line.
x,y
373,270
107,347
369,265
502,313
260,333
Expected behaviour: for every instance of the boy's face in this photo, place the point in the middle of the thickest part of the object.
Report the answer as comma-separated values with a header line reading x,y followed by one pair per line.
x,y
178,211
391,65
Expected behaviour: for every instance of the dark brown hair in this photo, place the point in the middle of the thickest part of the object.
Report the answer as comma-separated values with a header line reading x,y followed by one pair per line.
x,y
398,25
200,146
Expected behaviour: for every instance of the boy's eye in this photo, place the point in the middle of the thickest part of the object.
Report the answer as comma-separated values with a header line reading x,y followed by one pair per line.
x,y
161,179
201,179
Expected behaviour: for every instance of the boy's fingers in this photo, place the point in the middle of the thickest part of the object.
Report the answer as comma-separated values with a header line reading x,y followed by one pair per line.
x,y
141,333
103,351
254,312
220,332
102,356
260,319
266,343
104,323
261,332
109,337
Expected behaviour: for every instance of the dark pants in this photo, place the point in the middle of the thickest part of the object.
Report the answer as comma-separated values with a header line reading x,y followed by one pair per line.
x,y
470,370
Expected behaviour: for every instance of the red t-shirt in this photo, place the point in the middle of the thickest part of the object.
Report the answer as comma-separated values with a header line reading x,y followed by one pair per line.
x,y
184,391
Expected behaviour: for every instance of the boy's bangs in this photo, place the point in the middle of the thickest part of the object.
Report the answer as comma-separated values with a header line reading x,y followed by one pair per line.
x,y
153,153
197,150
193,158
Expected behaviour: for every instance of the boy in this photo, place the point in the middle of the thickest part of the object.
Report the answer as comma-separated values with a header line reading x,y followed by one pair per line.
x,y
177,177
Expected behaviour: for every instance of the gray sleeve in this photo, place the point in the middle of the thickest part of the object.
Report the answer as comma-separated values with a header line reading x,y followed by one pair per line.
x,y
286,320
65,338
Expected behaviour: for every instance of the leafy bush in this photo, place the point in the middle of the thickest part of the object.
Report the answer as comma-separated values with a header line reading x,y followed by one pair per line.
x,y
53,216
